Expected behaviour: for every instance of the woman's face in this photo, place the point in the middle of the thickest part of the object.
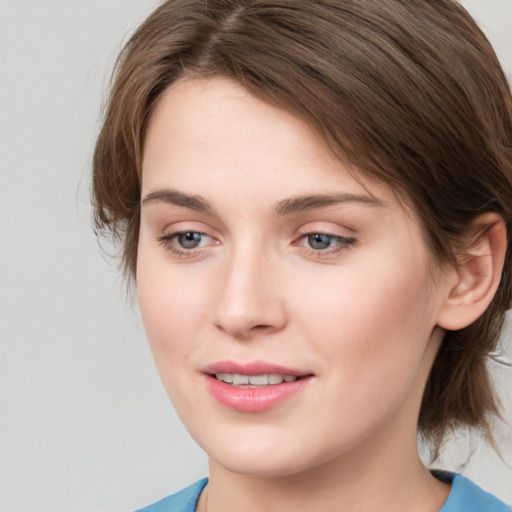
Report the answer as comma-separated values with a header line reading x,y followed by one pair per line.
x,y
260,256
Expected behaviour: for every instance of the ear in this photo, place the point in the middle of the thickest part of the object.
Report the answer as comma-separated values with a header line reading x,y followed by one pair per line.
x,y
476,278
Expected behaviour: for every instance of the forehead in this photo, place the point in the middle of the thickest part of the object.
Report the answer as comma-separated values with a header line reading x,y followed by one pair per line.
x,y
208,126
224,121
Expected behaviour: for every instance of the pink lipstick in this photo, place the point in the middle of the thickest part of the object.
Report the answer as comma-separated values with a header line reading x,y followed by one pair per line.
x,y
253,387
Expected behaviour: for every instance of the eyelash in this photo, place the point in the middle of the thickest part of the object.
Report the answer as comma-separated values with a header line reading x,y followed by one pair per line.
x,y
343,244
167,242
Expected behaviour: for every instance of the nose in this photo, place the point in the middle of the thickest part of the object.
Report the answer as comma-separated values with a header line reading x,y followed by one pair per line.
x,y
250,301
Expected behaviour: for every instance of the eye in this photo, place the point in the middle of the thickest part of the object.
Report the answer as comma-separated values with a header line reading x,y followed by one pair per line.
x,y
190,239
323,241
319,241
324,244
186,244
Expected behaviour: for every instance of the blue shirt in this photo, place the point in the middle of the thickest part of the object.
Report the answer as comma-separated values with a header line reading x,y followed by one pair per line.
x,y
465,496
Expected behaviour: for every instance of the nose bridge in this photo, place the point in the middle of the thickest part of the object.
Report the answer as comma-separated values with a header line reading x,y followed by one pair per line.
x,y
249,301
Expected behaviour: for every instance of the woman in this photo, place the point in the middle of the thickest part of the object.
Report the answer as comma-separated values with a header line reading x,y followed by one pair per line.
x,y
314,200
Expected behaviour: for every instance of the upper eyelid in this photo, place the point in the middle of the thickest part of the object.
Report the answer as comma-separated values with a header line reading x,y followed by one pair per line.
x,y
174,234
302,232
341,238
174,228
167,239
340,232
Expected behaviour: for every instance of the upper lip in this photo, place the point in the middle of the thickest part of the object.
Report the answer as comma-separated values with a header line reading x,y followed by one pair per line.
x,y
252,368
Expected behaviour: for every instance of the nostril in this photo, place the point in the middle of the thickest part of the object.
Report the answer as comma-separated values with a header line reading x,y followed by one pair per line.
x,y
261,329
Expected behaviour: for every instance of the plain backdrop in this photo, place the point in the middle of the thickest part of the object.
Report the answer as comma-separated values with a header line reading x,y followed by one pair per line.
x,y
85,425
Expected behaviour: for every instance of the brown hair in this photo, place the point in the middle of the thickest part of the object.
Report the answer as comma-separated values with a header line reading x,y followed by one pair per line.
x,y
407,91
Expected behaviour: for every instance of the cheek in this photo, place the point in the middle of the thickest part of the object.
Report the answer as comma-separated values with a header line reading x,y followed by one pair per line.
x,y
371,335
374,323
170,304
172,315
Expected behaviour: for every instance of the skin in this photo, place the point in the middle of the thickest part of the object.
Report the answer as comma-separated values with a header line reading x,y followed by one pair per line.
x,y
362,315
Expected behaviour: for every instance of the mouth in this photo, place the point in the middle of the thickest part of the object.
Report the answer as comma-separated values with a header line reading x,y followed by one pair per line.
x,y
254,381
254,387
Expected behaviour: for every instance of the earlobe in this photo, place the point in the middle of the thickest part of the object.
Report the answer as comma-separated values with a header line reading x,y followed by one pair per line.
x,y
478,273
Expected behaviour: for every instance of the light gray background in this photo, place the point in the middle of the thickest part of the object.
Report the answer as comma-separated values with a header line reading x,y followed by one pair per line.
x,y
85,425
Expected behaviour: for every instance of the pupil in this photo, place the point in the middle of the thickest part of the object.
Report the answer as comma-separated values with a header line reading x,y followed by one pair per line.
x,y
319,241
189,240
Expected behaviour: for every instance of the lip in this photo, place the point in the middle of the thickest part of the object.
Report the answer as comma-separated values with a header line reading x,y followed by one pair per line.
x,y
253,400
252,368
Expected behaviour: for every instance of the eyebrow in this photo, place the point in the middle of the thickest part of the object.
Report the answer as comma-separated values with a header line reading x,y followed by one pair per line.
x,y
309,202
168,196
284,207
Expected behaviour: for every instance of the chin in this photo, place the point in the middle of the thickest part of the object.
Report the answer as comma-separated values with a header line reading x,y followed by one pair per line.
x,y
264,466
263,456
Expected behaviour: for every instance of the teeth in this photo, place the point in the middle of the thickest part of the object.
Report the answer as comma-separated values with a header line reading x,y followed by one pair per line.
x,y
275,379
258,380
238,379
225,377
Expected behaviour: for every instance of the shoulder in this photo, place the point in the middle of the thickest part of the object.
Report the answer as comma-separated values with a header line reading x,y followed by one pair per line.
x,y
183,501
466,496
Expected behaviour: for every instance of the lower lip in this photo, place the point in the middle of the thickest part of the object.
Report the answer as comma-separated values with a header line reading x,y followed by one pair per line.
x,y
254,399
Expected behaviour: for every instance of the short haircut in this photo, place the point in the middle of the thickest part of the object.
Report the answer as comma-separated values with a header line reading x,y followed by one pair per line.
x,y
409,92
